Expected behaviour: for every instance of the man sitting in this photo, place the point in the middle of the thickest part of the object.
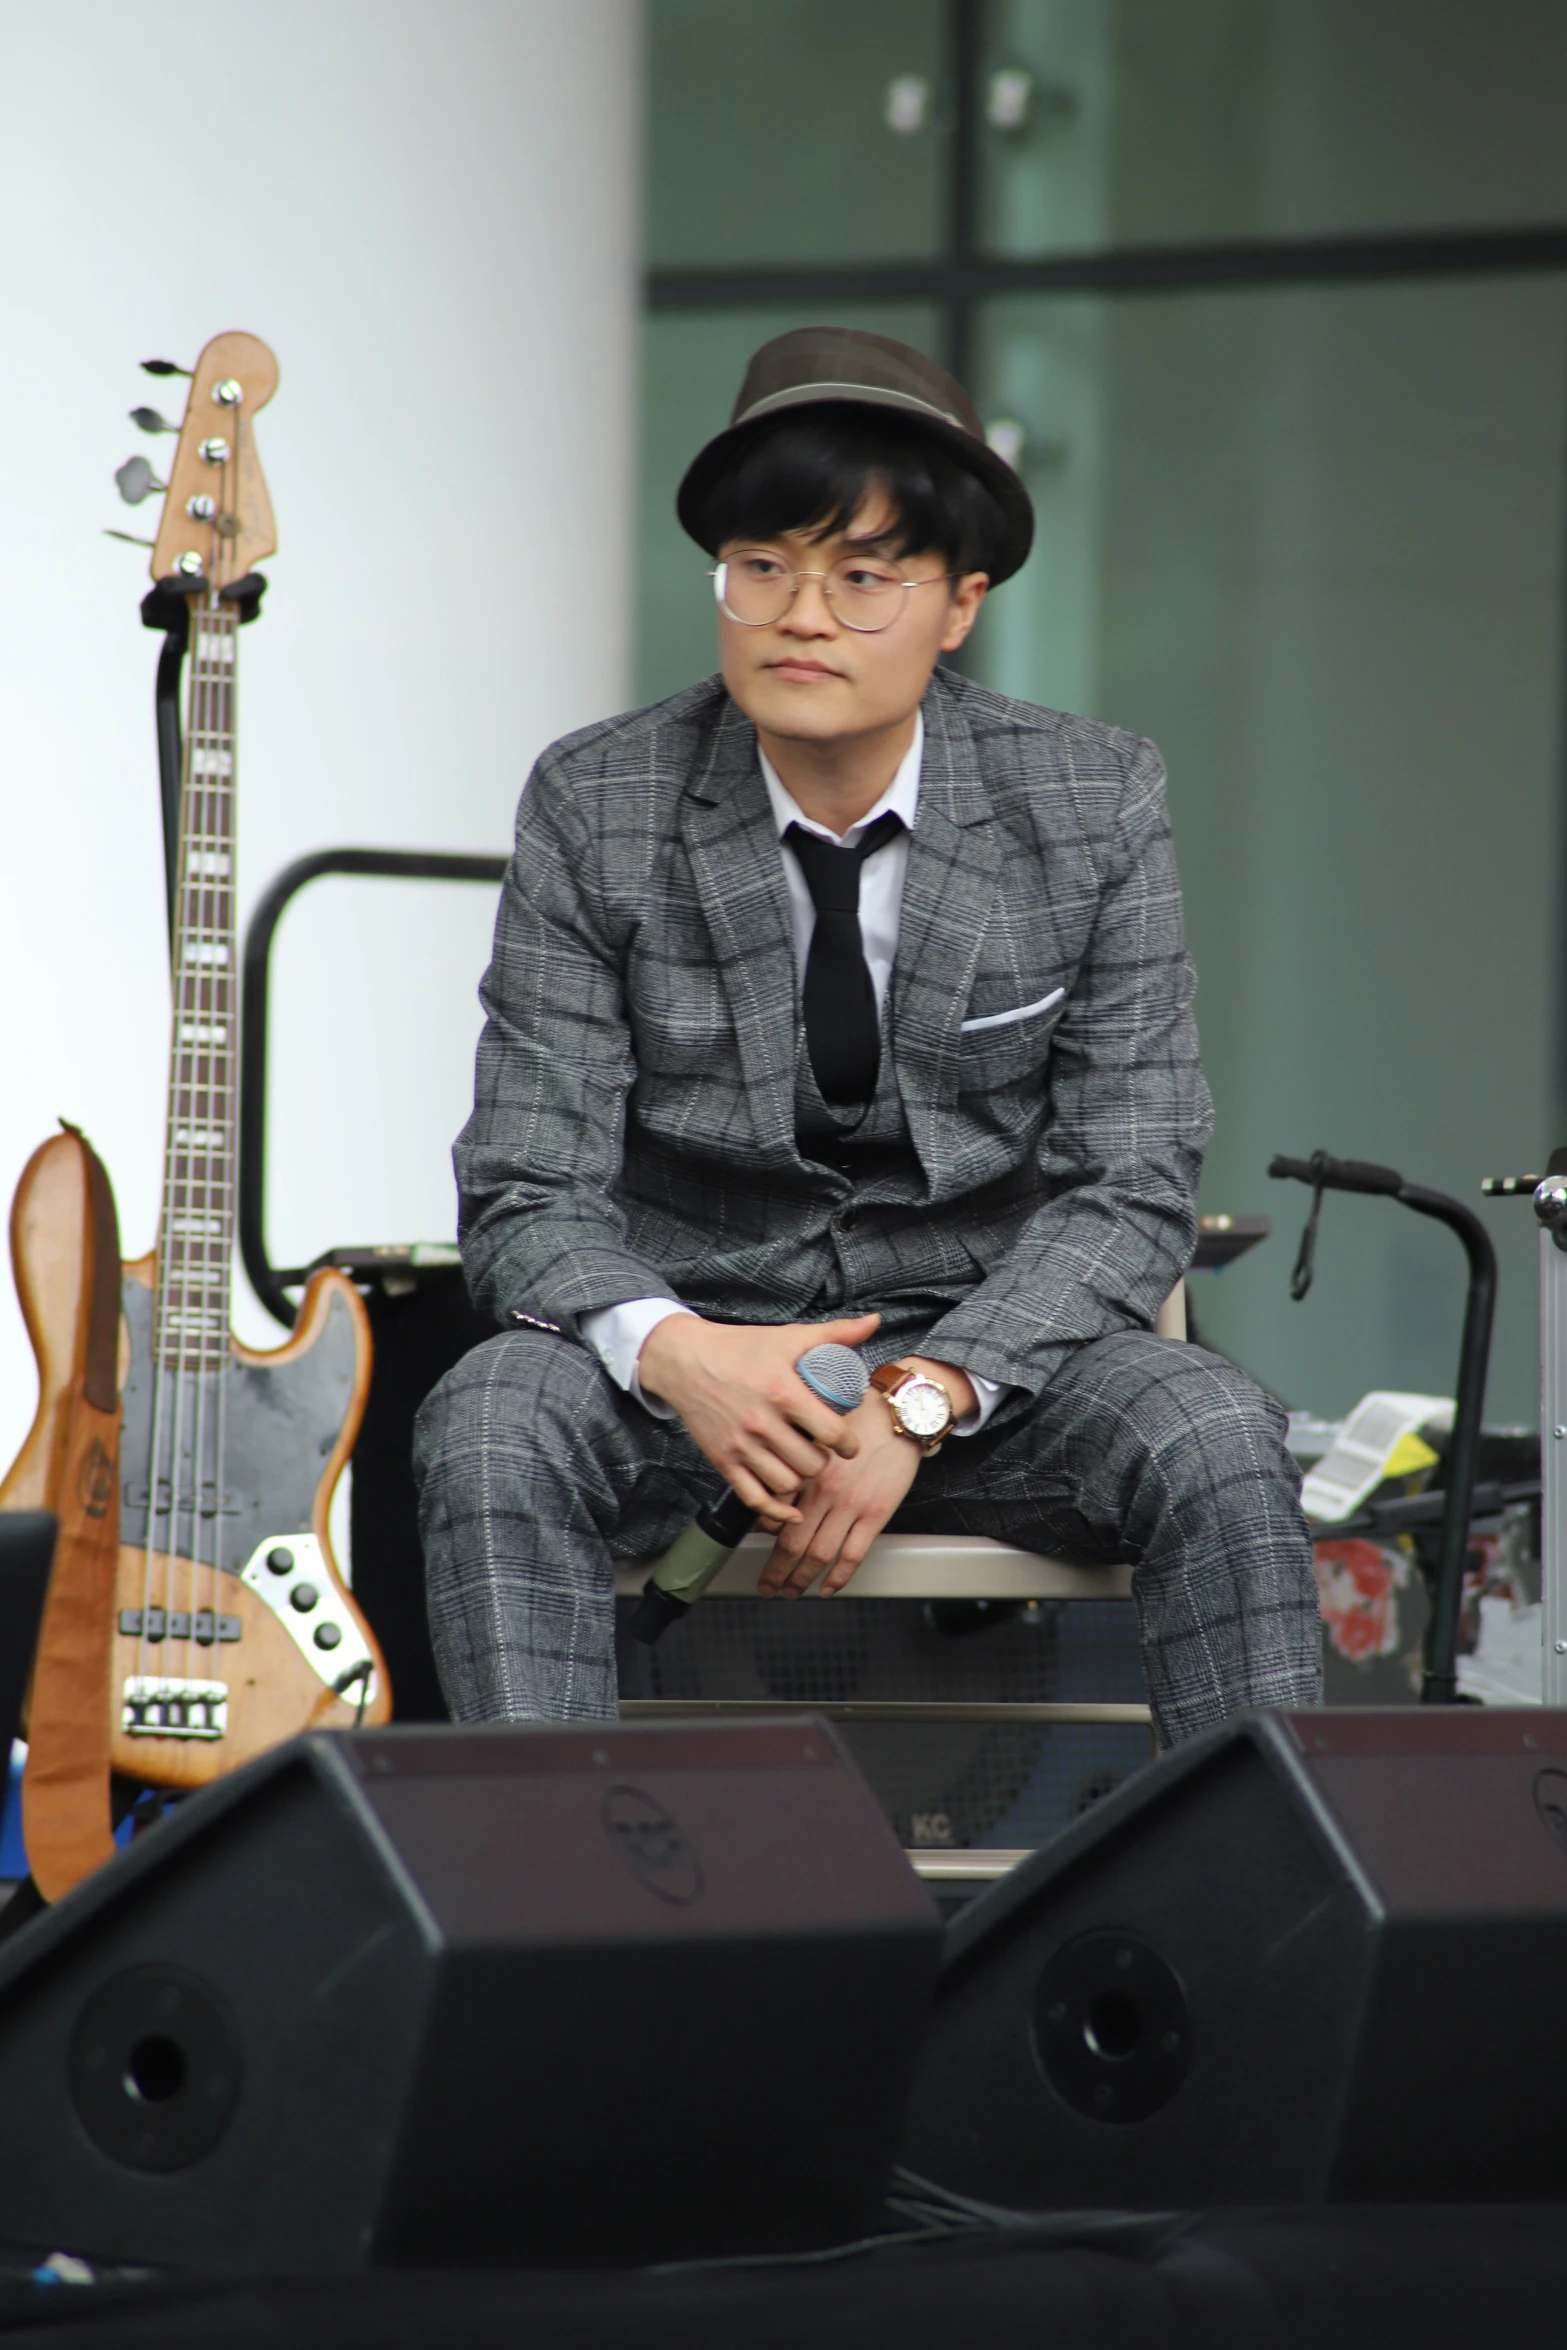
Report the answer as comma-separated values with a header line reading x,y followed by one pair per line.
x,y
837,998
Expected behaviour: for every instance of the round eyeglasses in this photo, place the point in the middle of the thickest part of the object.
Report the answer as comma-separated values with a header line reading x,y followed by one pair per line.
x,y
865,592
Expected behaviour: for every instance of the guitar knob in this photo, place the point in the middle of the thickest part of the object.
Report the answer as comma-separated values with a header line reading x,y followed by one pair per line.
x,y
328,1635
149,420
304,1596
280,1560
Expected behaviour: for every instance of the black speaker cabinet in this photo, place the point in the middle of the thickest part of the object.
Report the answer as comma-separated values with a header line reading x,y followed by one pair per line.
x,y
1309,1957
494,1995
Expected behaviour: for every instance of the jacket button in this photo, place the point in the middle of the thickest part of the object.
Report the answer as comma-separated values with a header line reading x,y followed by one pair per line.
x,y
847,1218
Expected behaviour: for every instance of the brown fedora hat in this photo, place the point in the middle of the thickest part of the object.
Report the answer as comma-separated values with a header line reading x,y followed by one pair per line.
x,y
816,366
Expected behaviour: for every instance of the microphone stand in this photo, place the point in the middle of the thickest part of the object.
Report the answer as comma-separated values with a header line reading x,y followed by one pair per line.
x,y
1440,1683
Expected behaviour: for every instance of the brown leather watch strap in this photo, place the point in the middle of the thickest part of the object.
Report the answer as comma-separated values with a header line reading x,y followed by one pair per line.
x,y
890,1376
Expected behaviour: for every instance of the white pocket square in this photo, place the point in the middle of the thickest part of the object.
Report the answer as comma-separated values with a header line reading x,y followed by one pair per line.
x,y
1005,1019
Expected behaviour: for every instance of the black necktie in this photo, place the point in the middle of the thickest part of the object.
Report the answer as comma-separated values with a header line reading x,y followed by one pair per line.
x,y
842,1033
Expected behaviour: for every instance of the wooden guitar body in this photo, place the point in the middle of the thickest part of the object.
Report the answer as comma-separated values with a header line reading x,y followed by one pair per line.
x,y
238,1630
288,1419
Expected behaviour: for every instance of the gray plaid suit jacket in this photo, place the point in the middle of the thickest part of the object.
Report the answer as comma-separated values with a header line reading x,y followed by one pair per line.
x,y
633,1131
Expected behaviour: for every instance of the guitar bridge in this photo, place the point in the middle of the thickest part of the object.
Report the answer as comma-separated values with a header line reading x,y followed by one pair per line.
x,y
174,1709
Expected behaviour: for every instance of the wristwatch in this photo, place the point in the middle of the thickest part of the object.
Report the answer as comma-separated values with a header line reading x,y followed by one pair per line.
x,y
921,1408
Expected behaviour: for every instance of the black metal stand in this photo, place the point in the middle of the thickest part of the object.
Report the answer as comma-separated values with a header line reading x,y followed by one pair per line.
x,y
270,1282
1440,1683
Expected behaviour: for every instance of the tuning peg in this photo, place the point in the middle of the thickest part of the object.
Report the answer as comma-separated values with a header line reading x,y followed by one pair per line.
x,y
148,420
136,480
162,367
128,539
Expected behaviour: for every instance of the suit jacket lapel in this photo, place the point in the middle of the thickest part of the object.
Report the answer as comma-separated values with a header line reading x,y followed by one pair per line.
x,y
949,892
727,824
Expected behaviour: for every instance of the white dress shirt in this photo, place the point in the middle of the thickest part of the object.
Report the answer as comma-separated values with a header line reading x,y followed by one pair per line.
x,y
617,1334
881,875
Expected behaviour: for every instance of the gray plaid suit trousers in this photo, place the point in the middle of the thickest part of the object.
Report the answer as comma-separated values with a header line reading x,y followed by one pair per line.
x,y
536,1473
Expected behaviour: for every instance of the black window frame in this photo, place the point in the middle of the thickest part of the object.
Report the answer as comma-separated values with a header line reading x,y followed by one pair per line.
x,y
962,276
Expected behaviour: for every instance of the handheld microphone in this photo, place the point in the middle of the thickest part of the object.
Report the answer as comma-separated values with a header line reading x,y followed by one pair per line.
x,y
837,1375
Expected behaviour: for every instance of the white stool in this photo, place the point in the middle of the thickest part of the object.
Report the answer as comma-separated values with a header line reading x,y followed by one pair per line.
x,y
919,1567
916,1567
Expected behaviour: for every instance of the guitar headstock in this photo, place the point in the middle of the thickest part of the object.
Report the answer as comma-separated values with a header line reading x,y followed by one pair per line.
x,y
217,517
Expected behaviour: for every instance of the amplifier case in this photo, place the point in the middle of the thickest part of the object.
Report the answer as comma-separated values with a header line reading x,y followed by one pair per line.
x,y
494,1995
1310,1957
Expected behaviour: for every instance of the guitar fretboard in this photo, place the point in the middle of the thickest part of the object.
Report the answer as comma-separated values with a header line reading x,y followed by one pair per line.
x,y
196,1234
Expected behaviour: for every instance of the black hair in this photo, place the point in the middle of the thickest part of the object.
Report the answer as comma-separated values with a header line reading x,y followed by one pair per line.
x,y
810,470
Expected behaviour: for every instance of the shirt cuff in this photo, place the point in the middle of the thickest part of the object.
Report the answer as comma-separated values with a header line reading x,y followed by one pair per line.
x,y
987,1395
617,1335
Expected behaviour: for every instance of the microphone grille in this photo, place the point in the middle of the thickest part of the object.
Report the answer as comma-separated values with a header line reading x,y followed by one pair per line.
x,y
836,1374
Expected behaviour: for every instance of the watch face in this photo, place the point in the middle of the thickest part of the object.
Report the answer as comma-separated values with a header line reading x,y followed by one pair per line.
x,y
923,1408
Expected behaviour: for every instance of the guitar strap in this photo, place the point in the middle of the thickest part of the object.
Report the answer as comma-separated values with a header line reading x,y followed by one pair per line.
x,y
66,1821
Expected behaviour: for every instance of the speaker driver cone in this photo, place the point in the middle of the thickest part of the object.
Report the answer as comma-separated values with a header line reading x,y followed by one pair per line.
x,y
154,2068
1112,2028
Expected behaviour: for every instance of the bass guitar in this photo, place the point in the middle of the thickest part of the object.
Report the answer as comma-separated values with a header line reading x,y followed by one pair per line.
x,y
233,1628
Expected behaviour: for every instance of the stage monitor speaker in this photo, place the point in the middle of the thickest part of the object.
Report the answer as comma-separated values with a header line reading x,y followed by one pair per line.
x,y
1310,1957
491,1995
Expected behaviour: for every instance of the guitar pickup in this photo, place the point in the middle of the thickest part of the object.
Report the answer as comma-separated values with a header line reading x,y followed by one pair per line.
x,y
156,1623
207,1504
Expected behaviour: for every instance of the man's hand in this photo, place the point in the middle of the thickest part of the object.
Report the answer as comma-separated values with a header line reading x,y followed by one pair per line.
x,y
736,1388
849,1500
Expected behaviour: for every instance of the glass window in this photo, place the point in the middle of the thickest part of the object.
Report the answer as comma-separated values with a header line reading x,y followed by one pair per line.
x,y
692,364
794,130
1311,543
1138,122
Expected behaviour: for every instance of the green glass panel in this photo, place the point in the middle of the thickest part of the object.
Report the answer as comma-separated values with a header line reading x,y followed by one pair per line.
x,y
1310,542
1137,122
692,363
771,131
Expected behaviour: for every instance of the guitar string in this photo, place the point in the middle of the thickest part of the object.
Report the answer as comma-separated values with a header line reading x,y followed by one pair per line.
x,y
222,1013
210,985
175,1286
223,990
230,1030
177,1297
205,981
215,878
220,1105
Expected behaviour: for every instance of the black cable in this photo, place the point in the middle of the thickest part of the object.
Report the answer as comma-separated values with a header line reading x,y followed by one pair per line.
x,y
361,1673
939,2214
946,2211
1306,1257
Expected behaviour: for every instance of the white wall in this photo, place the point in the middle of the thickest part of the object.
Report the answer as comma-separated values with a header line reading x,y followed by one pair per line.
x,y
428,209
